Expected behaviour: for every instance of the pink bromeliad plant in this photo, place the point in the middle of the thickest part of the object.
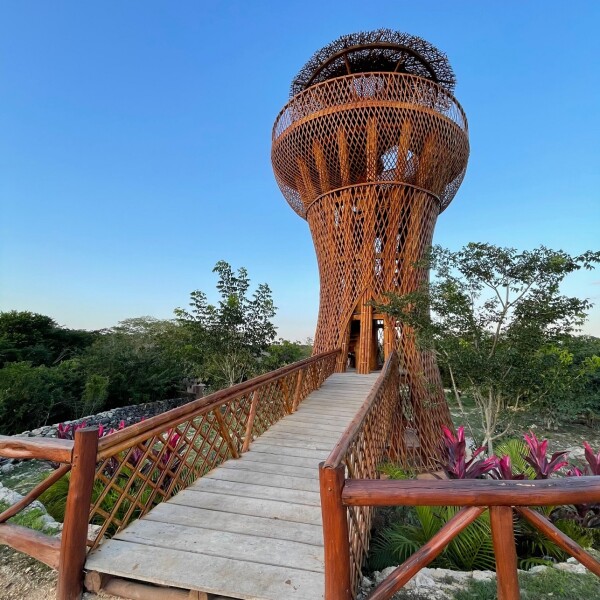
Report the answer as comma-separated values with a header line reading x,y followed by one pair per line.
x,y
543,467
593,460
67,432
504,470
537,457
458,466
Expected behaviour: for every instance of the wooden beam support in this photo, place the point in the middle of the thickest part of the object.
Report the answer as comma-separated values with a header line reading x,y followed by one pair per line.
x,y
24,502
225,433
44,548
133,590
250,422
427,553
298,391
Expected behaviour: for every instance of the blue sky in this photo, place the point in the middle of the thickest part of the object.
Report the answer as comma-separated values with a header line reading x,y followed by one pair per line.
x,y
135,144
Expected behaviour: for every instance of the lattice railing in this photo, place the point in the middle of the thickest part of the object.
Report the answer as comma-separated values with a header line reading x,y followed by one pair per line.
x,y
362,448
391,87
151,461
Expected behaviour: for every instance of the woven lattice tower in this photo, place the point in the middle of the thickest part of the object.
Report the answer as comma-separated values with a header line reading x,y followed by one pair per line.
x,y
371,147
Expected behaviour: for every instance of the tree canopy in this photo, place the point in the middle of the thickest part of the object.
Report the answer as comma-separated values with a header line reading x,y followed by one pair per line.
x,y
227,339
500,326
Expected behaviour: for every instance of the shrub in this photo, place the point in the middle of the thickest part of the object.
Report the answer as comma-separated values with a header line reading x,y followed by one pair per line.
x,y
472,548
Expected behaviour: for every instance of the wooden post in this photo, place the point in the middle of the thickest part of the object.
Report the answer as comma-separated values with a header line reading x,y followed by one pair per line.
x,y
298,390
225,432
73,545
503,537
335,534
250,423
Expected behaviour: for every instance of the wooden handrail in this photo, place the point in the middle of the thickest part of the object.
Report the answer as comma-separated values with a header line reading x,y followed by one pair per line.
x,y
115,456
303,104
471,492
35,447
340,450
112,443
349,495
145,463
501,519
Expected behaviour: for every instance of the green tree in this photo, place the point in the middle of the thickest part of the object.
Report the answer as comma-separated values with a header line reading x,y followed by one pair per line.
x,y
95,393
35,338
283,352
497,321
139,360
31,396
226,340
575,365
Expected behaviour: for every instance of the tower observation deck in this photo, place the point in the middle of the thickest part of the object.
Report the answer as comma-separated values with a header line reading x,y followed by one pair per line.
x,y
371,147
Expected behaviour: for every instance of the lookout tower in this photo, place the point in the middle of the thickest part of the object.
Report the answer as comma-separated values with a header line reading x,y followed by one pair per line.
x,y
370,149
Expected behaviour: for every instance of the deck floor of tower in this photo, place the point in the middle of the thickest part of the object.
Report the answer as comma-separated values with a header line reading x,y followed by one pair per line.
x,y
251,528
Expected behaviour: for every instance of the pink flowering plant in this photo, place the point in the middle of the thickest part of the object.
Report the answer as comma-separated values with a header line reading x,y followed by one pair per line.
x,y
538,460
458,467
543,466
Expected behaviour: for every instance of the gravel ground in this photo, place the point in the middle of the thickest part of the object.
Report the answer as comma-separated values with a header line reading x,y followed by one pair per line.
x,y
23,578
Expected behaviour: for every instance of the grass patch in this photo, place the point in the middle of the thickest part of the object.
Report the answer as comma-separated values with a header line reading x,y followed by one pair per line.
x,y
32,519
552,584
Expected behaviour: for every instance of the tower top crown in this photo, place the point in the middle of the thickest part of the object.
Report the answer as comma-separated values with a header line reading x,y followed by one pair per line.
x,y
381,50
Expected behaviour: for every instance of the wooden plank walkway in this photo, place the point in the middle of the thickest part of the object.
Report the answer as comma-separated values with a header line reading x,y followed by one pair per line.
x,y
251,528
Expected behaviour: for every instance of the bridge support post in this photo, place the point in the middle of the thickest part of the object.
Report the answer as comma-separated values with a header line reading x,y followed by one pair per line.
x,y
338,585
73,546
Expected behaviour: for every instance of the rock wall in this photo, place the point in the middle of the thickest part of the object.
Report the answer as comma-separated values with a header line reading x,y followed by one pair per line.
x,y
112,418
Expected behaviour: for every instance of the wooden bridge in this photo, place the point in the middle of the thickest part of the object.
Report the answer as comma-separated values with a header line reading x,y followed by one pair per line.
x,y
263,491
251,528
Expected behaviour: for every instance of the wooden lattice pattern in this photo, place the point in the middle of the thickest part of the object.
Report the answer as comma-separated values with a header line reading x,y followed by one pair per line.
x,y
369,127
363,448
150,462
358,264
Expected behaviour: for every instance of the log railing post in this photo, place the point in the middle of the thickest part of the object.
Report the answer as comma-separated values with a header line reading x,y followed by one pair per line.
x,y
501,518
73,545
335,534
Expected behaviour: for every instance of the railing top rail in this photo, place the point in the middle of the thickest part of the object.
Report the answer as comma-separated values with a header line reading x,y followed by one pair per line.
x,y
306,102
36,447
471,492
345,441
204,405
